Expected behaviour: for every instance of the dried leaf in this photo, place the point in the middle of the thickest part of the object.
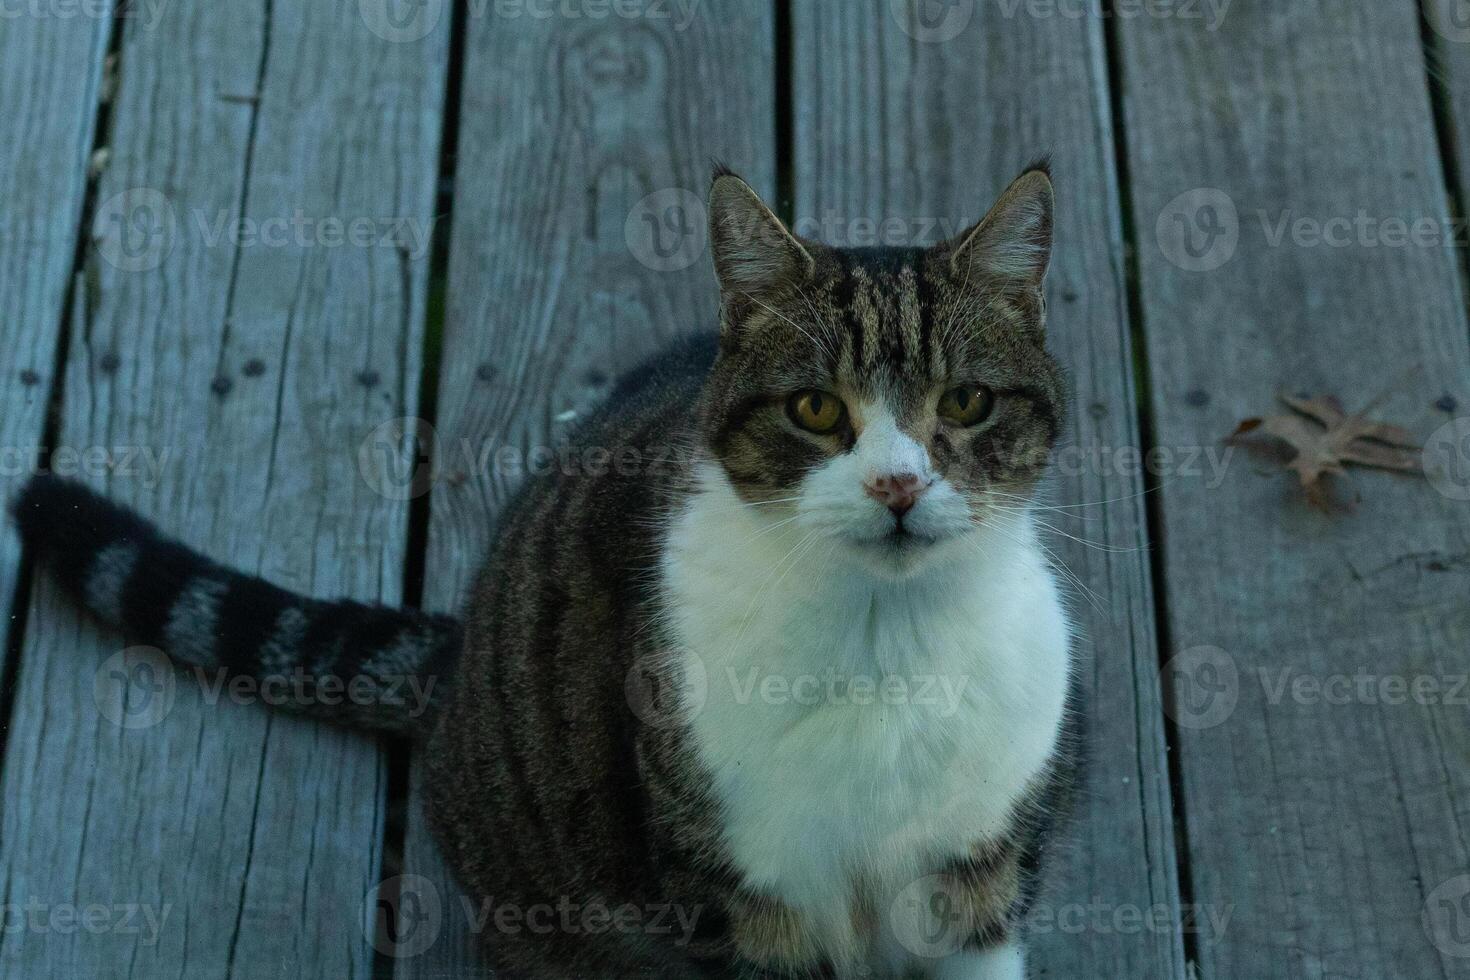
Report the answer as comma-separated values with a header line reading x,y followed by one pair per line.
x,y
1325,438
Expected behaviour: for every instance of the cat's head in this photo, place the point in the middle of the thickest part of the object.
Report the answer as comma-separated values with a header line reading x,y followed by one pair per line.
x,y
890,399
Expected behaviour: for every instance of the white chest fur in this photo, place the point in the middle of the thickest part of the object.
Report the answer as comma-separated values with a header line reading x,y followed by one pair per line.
x,y
859,729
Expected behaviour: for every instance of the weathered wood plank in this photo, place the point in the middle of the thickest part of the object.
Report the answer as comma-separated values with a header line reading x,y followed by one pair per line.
x,y
916,130
50,79
1321,824
250,838
556,282
1449,70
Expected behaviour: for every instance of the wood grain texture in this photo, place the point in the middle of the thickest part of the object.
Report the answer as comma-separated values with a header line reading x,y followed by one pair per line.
x,y
919,136
1448,63
575,134
51,73
1321,825
251,838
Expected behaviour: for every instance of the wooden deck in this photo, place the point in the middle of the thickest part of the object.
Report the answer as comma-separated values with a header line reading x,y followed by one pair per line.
x,y
239,240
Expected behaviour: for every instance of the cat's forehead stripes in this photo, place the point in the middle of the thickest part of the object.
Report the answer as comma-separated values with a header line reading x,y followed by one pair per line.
x,y
886,303
910,315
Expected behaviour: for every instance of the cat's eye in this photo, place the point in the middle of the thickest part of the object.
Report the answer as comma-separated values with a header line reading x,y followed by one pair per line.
x,y
816,411
966,405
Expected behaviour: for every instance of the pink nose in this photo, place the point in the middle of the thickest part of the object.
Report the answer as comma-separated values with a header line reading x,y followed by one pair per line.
x,y
896,491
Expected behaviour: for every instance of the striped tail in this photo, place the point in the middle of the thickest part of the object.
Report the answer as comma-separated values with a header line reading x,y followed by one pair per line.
x,y
360,665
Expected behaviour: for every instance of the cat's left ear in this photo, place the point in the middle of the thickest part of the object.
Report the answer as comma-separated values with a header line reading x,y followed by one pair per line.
x,y
756,257
1010,246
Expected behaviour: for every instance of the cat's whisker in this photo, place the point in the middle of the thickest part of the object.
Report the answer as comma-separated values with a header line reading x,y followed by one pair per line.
x,y
817,317
749,615
1095,545
1037,508
754,504
777,313
1063,507
1027,512
772,527
755,507
1089,593
1093,597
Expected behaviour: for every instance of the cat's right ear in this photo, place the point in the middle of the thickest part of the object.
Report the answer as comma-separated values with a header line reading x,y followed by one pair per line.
x,y
756,257
1011,246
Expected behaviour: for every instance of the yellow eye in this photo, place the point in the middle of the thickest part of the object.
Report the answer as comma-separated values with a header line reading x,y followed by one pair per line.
x,y
966,405
816,411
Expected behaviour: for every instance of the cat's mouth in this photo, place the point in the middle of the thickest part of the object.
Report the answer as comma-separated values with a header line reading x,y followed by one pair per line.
x,y
898,553
900,540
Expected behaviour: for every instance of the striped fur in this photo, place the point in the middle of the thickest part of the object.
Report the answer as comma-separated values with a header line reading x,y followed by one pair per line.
x,y
565,777
576,793
360,665
901,323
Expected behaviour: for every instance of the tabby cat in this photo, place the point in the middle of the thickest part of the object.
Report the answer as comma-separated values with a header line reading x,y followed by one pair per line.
x,y
782,692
